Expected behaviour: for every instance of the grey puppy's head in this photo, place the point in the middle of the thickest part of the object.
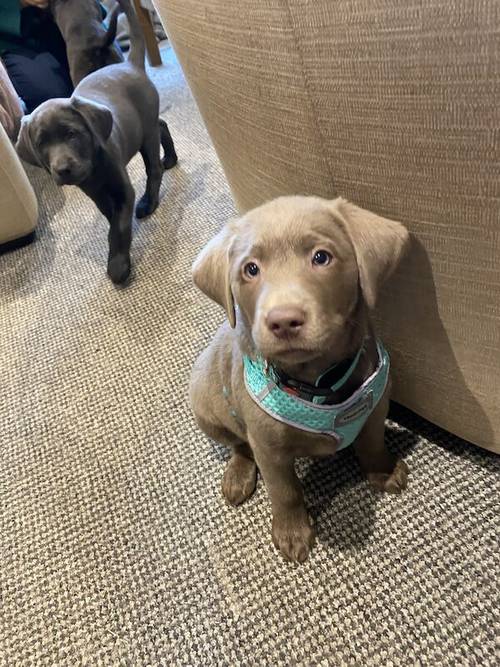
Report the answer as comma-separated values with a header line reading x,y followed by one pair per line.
x,y
298,267
64,136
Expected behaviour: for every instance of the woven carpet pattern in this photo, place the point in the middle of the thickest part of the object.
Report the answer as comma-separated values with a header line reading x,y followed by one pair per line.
x,y
116,546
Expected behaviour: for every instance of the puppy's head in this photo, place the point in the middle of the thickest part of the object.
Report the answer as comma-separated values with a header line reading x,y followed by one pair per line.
x,y
63,136
297,268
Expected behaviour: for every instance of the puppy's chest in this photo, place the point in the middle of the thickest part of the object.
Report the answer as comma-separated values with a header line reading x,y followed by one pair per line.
x,y
255,424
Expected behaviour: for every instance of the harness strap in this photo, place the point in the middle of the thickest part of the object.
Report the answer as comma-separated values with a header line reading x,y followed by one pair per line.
x,y
343,421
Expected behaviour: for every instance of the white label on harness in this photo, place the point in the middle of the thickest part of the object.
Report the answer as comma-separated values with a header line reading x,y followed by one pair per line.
x,y
355,411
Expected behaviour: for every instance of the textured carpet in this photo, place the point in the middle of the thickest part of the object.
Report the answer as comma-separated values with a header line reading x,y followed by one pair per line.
x,y
116,546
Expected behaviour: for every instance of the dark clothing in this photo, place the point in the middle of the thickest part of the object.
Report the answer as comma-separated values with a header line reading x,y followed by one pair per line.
x,y
34,54
37,76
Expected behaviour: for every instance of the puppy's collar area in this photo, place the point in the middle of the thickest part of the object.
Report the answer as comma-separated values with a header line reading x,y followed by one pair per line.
x,y
343,421
325,387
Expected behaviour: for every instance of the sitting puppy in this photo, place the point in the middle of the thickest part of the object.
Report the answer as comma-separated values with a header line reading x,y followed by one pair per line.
x,y
88,140
297,370
89,45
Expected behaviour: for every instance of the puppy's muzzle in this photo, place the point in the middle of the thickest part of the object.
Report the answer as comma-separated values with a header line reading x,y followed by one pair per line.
x,y
285,322
66,173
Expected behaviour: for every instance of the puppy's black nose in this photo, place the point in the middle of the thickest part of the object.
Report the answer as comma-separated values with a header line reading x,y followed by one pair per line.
x,y
63,171
285,321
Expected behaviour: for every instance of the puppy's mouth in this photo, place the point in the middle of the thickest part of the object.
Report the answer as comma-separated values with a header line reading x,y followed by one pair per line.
x,y
291,354
290,350
67,179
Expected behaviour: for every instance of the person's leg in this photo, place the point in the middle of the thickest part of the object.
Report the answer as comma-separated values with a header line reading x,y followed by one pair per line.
x,y
37,76
40,33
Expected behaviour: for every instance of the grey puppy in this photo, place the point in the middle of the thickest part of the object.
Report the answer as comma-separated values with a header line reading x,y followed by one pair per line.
x,y
89,45
88,140
297,371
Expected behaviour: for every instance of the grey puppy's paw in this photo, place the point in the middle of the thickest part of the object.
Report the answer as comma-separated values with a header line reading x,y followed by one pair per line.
x,y
119,269
145,206
169,160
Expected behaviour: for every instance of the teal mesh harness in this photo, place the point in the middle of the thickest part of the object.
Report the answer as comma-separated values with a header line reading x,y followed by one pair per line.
x,y
343,421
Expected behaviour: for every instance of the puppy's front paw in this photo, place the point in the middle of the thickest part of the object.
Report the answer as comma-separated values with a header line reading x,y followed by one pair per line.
x,y
145,206
240,479
294,536
119,269
394,482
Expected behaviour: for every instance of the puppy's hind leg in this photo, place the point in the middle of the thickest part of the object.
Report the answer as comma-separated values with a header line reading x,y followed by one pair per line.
x,y
170,156
150,152
240,476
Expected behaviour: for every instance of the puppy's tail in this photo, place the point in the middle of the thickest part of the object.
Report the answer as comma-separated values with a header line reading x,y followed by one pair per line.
x,y
137,51
110,34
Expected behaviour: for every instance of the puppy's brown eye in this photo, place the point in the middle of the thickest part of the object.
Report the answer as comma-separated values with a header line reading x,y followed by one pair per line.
x,y
321,258
251,270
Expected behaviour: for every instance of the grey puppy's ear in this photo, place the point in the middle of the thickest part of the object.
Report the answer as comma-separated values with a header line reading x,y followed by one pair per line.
x,y
211,272
97,116
24,145
379,244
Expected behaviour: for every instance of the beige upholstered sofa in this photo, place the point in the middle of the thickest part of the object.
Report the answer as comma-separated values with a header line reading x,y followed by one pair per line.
x,y
18,206
395,105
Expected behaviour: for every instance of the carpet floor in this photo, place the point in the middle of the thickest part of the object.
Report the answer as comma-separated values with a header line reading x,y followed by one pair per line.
x,y
116,547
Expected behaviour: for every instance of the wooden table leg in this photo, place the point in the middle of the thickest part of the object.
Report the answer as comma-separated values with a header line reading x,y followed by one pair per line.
x,y
152,49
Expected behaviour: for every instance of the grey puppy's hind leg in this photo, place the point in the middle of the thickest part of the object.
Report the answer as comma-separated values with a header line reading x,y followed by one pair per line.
x,y
150,151
170,156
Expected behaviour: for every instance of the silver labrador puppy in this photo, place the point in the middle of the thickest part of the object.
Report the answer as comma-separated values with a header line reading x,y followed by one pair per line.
x,y
297,370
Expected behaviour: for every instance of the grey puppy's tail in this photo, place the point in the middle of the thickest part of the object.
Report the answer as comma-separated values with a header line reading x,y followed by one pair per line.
x,y
110,34
137,51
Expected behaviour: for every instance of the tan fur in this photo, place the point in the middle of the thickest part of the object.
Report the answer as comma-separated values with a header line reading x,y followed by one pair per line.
x,y
281,237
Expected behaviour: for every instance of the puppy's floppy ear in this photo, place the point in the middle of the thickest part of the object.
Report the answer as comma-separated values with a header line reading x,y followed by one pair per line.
x,y
379,244
97,116
24,144
211,272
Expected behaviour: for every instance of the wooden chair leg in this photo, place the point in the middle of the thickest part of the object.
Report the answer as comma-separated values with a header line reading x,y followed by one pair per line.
x,y
152,49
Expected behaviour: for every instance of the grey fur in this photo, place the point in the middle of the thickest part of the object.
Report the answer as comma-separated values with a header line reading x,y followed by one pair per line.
x,y
89,45
88,140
